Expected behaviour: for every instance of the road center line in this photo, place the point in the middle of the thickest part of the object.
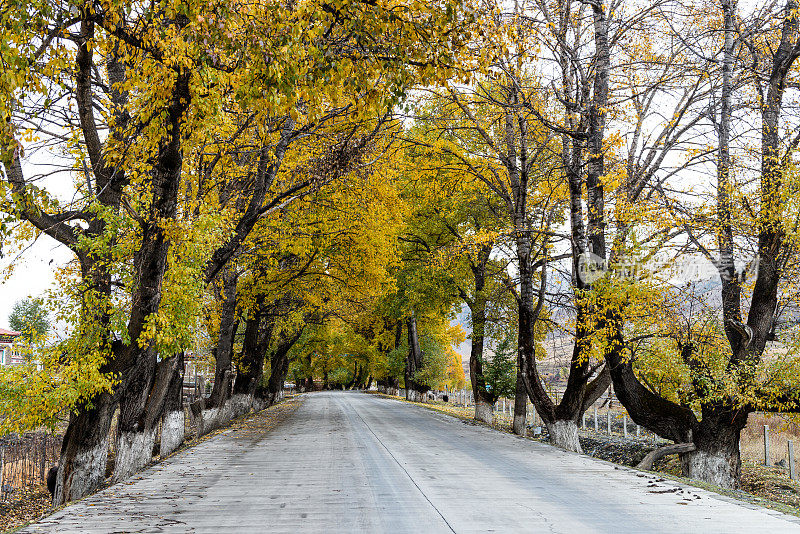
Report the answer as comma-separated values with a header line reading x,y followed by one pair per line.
x,y
403,468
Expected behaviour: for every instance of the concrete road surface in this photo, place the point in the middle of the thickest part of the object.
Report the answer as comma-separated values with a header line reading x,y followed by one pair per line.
x,y
350,462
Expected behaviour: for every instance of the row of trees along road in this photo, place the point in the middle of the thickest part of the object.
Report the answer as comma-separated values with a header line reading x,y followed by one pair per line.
x,y
593,141
310,190
189,132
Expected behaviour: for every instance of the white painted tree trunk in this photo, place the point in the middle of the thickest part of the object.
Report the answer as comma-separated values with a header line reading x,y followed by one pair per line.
x,y
214,418
207,421
564,434
134,452
715,468
240,404
259,404
484,411
520,425
172,430
88,473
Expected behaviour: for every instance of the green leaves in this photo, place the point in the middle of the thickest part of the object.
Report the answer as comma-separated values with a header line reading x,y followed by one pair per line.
x,y
500,371
29,317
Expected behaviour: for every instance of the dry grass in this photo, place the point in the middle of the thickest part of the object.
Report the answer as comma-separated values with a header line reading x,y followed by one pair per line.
x,y
781,430
31,503
24,462
771,483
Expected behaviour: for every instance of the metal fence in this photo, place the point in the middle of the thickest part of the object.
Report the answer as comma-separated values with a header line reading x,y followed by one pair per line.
x,y
25,460
606,416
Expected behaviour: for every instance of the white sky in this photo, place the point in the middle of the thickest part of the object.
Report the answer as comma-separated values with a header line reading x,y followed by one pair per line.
x,y
33,268
32,274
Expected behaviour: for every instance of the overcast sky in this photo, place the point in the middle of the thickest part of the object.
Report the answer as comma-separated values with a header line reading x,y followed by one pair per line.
x,y
33,270
32,274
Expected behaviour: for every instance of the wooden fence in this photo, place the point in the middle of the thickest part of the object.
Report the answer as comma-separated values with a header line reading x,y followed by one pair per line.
x,y
25,460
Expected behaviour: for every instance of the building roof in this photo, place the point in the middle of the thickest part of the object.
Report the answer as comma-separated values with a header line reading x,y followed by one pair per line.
x,y
5,332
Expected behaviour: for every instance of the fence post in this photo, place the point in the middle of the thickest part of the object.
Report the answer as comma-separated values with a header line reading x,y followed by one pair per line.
x,y
792,474
583,420
608,421
595,418
42,459
638,431
625,425
766,445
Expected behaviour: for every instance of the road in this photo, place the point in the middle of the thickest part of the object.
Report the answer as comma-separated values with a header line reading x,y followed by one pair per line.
x,y
350,462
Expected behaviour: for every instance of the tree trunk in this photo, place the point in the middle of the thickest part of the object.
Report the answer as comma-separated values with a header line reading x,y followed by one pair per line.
x,y
484,400
563,433
135,445
588,251
716,459
354,380
279,366
520,407
528,313
413,361
223,352
82,462
655,455
143,394
595,165
84,450
135,437
172,425
394,381
257,336
731,289
484,410
308,383
667,419
718,466
217,411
